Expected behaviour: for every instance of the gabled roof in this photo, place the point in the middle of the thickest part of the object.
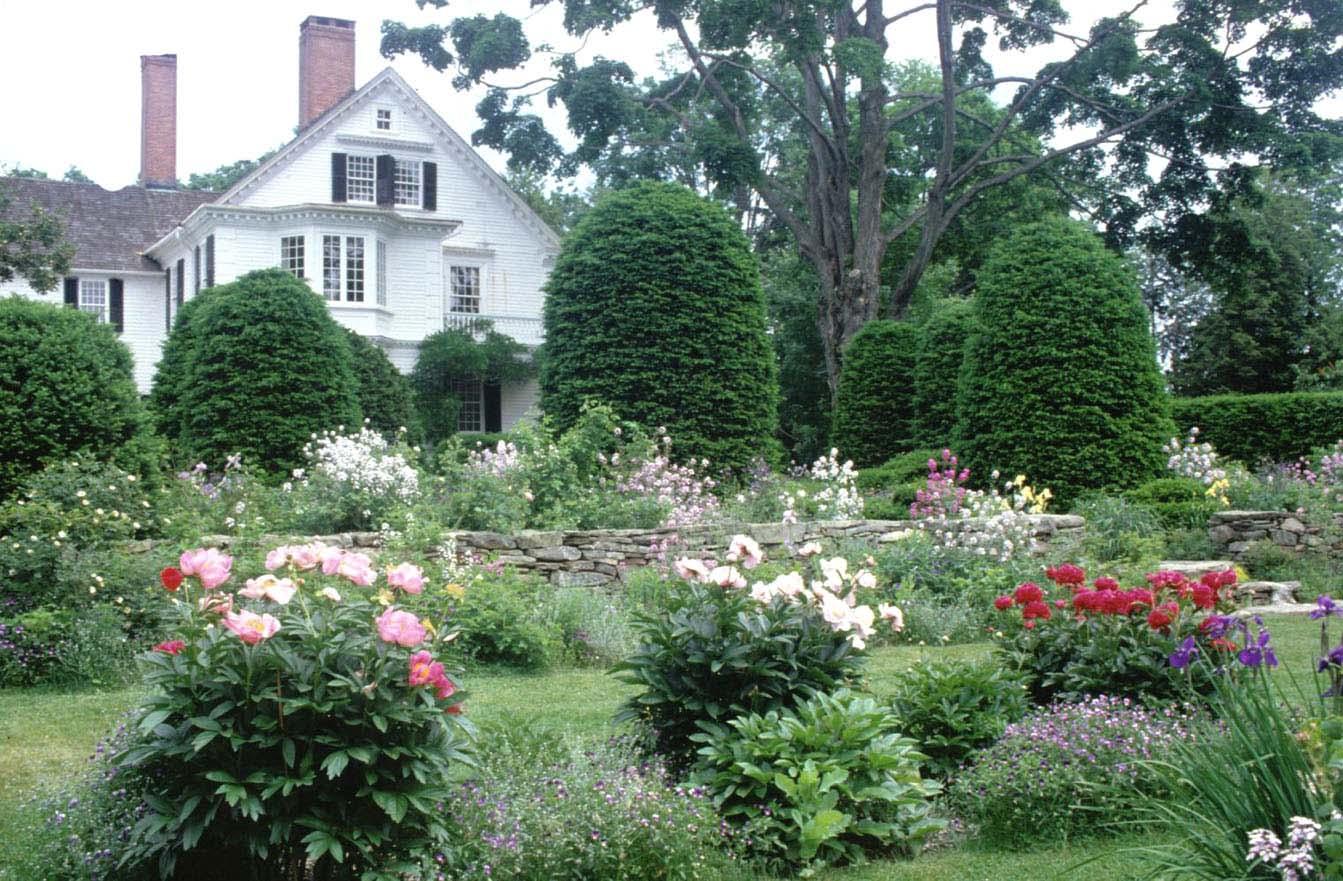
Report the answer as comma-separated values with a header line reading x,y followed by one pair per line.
x,y
110,229
455,143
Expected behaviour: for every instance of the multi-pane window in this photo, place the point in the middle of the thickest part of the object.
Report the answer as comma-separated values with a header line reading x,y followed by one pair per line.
x,y
382,273
384,120
291,255
464,289
407,183
354,268
361,176
331,267
470,414
93,298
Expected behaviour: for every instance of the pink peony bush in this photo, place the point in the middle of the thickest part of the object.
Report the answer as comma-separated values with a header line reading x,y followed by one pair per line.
x,y
301,728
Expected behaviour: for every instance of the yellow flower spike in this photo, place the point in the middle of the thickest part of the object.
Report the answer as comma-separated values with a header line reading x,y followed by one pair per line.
x,y
384,597
456,591
429,628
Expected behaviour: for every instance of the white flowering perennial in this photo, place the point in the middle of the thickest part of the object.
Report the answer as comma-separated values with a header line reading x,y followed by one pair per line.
x,y
1296,860
1003,527
497,461
363,463
1198,461
837,499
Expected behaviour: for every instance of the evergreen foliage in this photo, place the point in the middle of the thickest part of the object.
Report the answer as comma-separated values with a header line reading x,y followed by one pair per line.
x,y
385,396
1258,428
66,389
937,369
874,407
261,366
456,354
655,307
1060,380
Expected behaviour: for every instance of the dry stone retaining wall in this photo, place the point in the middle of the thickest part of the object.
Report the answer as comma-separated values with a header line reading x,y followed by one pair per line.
x,y
1234,531
573,558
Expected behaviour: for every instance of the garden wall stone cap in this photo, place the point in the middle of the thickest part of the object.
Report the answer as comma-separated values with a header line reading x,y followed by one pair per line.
x,y
1232,516
1194,568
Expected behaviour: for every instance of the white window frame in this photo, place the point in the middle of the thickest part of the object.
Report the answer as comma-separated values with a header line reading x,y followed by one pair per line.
x,y
331,267
381,270
382,119
471,412
93,298
361,178
355,276
293,255
465,302
407,183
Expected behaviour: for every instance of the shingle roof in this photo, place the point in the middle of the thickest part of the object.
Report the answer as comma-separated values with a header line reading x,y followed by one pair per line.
x,y
109,229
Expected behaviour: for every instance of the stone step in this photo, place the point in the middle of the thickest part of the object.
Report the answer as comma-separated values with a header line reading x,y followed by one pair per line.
x,y
1270,592
1277,609
1194,569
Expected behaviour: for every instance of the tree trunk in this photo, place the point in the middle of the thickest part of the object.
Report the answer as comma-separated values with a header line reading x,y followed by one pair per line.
x,y
849,299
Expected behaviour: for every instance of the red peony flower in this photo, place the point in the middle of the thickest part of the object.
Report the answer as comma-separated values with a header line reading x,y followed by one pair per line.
x,y
1029,592
1002,603
172,646
1158,619
1105,584
1036,609
1204,597
171,578
1060,604
1066,574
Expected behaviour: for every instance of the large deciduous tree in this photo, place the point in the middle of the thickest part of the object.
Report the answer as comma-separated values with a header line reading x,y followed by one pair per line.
x,y
32,247
1225,80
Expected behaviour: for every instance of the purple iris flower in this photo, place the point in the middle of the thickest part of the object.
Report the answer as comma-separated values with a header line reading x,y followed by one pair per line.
x,y
1217,626
1325,606
1259,652
1333,659
1182,655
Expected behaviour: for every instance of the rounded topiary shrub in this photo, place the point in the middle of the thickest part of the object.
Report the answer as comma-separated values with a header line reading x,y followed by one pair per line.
x,y
937,368
66,389
385,396
874,413
655,307
263,366
1060,380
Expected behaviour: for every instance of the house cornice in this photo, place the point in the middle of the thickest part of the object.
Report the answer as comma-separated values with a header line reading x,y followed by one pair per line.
x,y
381,143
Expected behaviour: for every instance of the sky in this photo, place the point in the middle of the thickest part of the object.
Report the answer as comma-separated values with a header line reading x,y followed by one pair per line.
x,y
72,71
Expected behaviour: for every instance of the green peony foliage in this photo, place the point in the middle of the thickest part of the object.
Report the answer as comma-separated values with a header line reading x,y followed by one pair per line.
x,y
65,390
1060,380
655,307
937,368
262,367
874,408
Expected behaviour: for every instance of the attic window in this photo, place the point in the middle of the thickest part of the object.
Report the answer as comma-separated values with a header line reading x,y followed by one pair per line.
x,y
384,120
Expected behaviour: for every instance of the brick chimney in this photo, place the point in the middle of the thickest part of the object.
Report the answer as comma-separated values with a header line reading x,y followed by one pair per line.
x,y
158,121
325,65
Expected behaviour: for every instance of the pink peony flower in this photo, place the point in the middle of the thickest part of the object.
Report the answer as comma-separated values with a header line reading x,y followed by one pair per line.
x,y
727,576
305,557
399,627
745,550
424,670
251,627
357,568
331,593
329,558
277,590
810,549
835,611
215,604
893,615
407,577
834,570
171,647
691,569
208,565
866,579
277,558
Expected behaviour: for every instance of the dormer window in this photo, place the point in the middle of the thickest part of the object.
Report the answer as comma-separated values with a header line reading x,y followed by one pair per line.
x,y
384,120
361,177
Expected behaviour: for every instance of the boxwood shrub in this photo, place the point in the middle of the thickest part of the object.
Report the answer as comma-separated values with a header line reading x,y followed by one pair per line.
x,y
937,367
1273,427
874,406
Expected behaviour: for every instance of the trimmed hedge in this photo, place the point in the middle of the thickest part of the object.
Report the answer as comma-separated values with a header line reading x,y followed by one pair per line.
x,y
1060,380
263,366
66,389
655,308
1180,502
874,405
937,369
1253,428
385,396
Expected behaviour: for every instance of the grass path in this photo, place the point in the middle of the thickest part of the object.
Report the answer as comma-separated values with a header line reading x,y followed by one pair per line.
x,y
46,737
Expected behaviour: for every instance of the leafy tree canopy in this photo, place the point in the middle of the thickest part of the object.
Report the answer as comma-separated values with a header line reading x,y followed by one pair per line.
x,y
34,248
226,175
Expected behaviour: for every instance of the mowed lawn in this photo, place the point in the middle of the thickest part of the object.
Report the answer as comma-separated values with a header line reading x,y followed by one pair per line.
x,y
47,737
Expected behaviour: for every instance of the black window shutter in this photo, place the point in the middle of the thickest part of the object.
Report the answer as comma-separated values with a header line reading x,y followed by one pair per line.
x,y
181,282
337,177
430,179
167,301
116,308
494,408
386,167
210,261
196,289
72,292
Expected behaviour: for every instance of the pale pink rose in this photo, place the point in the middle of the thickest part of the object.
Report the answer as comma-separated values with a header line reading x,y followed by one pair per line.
x,y
331,593
251,627
407,577
399,627
727,576
893,615
305,557
357,568
745,550
691,570
277,590
215,603
866,579
209,565
810,549
277,558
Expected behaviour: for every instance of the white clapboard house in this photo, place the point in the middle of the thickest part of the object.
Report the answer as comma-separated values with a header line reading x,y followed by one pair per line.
x,y
377,203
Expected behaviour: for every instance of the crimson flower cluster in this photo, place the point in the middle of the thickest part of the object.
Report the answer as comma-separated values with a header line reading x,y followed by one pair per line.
x,y
1160,600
